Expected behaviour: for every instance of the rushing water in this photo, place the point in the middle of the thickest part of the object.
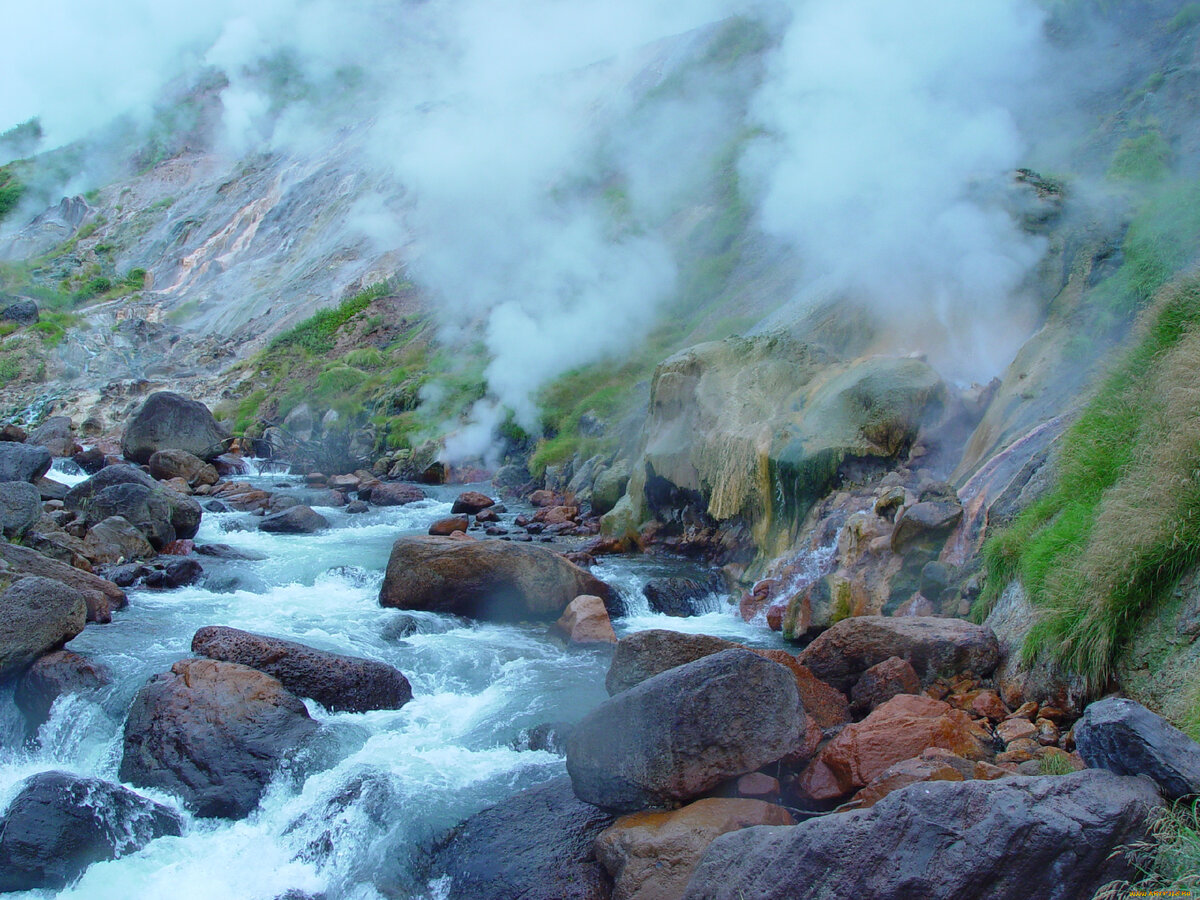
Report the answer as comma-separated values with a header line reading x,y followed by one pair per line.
x,y
357,807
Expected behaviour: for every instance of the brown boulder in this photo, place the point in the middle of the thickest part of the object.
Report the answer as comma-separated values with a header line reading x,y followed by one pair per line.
x,y
899,729
391,494
498,580
166,465
471,502
902,774
114,540
544,497
882,682
447,527
37,615
585,621
100,595
651,855
556,515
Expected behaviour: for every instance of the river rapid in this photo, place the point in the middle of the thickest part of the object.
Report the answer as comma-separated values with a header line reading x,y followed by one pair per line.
x,y
352,815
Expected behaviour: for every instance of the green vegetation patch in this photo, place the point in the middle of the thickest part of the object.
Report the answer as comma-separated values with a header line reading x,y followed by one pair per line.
x,y
12,188
317,334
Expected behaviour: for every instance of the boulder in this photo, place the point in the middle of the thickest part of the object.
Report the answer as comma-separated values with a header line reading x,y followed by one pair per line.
x,y
536,845
59,824
900,729
928,519
23,312
169,421
225,551
294,520
392,494
212,733
91,460
882,682
37,615
471,502
58,672
144,508
676,596
57,435
585,621
494,580
931,645
167,464
184,513
965,840
13,432
682,732
49,489
1122,736
21,462
115,540
20,507
447,527
102,597
337,682
904,773
175,574
651,855
609,488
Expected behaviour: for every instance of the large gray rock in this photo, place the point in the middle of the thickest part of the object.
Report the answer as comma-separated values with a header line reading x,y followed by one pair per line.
x,y
298,519
116,540
185,512
21,462
212,733
142,507
645,654
682,732
931,644
57,673
1051,836
169,421
536,845
101,596
336,682
493,580
20,507
59,824
37,615
57,435
1124,737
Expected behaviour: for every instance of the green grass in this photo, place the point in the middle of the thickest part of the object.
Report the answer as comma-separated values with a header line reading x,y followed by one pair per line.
x,y
1141,159
1055,764
1122,521
12,189
1169,861
316,335
10,368
1188,16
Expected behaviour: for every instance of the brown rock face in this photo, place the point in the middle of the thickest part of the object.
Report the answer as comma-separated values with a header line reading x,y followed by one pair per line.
x,y
336,682
471,502
585,621
651,855
898,730
883,681
495,580
447,527
168,464
213,733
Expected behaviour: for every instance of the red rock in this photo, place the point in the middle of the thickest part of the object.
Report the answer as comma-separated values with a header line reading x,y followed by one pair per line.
x,y
447,527
1054,714
1015,729
485,516
758,786
902,774
544,498
344,482
471,502
775,617
985,771
556,515
882,682
1027,710
178,548
988,704
1048,733
392,494
585,621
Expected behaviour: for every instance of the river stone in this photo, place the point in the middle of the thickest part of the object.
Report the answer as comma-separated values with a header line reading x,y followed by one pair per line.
x,y
212,733
142,507
471,502
493,580
101,596
933,646
59,824
115,540
20,507
1052,835
21,462
57,673
185,512
339,683
37,615
57,435
392,494
535,845
645,654
675,596
169,421
1124,737
297,519
167,464
682,732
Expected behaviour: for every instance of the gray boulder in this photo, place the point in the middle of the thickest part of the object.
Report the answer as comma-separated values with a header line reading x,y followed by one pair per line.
x,y
169,421
23,312
101,596
57,435
21,462
59,824
166,464
115,540
57,673
677,735
645,654
20,507
37,615
297,519
184,515
1124,737
1051,836
142,507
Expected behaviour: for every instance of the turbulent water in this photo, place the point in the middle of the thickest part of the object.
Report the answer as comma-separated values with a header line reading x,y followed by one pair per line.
x,y
353,814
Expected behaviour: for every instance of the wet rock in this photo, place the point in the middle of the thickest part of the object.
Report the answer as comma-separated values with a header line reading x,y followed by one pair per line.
x,y
57,435
224,551
169,421
294,520
12,432
392,494
175,574
213,733
337,682
37,615
676,596
49,489
101,596
944,841
447,527
536,845
483,579
23,312
168,464
59,824
931,645
758,786
216,506
1124,737
653,854
21,462
548,736
142,507
882,682
899,729
58,672
184,512
585,621
680,733
471,502
354,507
91,460
115,540
20,507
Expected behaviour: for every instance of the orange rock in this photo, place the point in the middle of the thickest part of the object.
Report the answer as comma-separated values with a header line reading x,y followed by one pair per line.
x,y
988,703
1027,710
899,729
902,774
824,704
985,771
544,498
585,621
445,527
1015,729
